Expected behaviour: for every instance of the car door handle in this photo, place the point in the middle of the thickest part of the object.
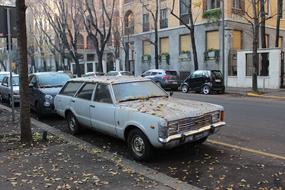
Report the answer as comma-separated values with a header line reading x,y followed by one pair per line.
x,y
92,106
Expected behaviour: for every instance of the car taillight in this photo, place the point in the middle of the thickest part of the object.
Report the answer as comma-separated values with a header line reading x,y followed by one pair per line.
x,y
222,115
166,77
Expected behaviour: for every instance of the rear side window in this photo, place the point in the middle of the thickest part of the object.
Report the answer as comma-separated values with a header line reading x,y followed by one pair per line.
x,y
217,75
87,91
172,73
102,94
71,88
154,73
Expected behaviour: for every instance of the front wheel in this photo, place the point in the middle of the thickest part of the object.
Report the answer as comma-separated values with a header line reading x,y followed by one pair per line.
x,y
184,88
139,146
72,123
206,89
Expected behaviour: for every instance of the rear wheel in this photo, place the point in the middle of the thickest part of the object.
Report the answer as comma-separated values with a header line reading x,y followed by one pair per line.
x,y
206,89
139,146
184,88
72,123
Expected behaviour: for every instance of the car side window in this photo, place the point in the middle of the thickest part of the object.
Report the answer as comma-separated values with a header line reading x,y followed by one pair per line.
x,y
33,81
87,91
154,73
102,94
146,73
71,88
5,81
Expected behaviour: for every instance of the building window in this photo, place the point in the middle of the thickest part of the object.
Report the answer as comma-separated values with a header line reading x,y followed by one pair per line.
x,y
236,4
128,1
263,64
145,22
184,11
129,23
267,40
213,41
185,43
212,4
236,40
146,48
163,18
164,45
267,8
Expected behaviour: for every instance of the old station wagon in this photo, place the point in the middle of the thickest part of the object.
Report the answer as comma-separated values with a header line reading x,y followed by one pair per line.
x,y
137,111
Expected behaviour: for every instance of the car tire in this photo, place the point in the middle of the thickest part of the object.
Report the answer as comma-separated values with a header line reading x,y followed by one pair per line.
x,y
185,88
201,141
72,124
206,89
139,145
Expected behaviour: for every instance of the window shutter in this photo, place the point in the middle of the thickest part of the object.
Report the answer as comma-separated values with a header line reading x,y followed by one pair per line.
x,y
204,5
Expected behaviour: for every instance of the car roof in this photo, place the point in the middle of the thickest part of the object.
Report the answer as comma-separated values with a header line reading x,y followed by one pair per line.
x,y
111,79
44,73
4,73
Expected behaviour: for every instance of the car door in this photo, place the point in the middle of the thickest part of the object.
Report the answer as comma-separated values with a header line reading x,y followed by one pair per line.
x,y
82,103
102,110
5,88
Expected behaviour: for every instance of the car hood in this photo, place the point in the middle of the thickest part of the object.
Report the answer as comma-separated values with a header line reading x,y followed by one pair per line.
x,y
51,91
171,108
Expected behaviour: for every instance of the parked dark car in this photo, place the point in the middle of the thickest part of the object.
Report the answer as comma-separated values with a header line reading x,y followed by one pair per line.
x,y
43,87
163,78
205,81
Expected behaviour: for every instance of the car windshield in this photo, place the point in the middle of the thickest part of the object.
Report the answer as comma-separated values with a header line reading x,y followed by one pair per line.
x,y
15,80
112,73
217,75
53,80
137,90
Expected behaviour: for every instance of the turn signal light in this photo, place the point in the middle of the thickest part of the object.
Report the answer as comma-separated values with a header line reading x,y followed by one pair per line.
x,y
222,115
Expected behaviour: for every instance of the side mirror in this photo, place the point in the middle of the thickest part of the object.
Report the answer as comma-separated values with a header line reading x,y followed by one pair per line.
x,y
31,85
142,75
171,93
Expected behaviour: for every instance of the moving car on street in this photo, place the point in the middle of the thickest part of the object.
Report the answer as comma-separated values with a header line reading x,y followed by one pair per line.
x,y
205,81
93,74
163,78
138,111
42,89
5,89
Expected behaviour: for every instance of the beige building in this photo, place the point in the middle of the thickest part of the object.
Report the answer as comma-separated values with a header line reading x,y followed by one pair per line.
x,y
174,39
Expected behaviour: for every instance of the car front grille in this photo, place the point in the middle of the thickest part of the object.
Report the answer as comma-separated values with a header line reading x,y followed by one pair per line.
x,y
191,123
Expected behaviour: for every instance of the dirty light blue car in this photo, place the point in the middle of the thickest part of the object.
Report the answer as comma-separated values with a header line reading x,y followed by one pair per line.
x,y
138,111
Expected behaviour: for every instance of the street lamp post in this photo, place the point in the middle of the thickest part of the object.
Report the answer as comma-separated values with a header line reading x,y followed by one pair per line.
x,y
223,40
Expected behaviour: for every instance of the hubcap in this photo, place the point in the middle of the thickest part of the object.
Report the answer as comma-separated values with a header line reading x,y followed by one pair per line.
x,y
138,146
206,90
71,123
184,89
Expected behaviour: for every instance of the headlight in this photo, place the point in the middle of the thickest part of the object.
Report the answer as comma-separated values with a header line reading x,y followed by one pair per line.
x,y
173,127
162,129
48,98
216,117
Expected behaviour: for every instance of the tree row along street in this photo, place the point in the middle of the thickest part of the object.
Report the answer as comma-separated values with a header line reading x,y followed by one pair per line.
x,y
254,124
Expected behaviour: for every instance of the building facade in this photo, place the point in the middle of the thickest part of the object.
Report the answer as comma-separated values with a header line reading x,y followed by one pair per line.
x,y
174,40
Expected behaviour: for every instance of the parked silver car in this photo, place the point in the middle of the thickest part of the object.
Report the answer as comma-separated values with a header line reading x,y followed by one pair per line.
x,y
5,89
137,111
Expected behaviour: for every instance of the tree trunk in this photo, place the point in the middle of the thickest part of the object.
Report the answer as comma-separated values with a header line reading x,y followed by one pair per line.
x,y
25,121
279,15
77,65
100,61
264,65
255,58
192,34
156,19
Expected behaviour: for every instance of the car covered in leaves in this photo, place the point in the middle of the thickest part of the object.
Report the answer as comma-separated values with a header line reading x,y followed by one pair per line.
x,y
137,111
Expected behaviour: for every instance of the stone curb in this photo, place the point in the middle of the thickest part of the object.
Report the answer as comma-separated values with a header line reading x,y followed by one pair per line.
x,y
250,94
117,159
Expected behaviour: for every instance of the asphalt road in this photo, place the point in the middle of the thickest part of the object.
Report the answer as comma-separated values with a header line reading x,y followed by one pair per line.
x,y
251,122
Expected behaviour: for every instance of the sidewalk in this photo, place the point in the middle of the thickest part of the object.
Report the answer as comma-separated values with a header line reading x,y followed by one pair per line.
x,y
266,93
63,162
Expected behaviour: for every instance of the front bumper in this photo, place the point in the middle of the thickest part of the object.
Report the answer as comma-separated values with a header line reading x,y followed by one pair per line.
x,y
190,136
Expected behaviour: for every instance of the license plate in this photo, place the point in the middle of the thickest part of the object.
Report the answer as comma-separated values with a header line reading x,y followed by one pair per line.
x,y
218,80
201,135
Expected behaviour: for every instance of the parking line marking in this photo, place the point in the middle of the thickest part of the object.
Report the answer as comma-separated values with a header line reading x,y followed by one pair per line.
x,y
275,156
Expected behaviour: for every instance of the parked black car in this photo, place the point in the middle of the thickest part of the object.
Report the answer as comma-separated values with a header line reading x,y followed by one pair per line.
x,y
43,87
205,81
163,78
